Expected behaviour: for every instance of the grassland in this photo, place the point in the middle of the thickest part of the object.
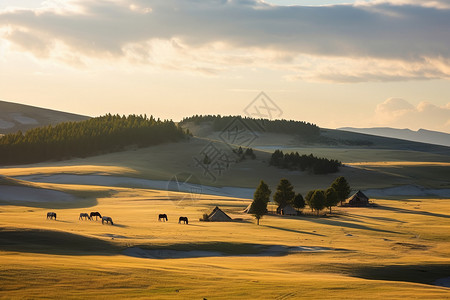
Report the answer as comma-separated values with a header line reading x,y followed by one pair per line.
x,y
396,250
162,162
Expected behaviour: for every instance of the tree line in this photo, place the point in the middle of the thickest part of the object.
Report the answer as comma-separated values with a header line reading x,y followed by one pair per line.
x,y
317,199
295,161
219,123
98,135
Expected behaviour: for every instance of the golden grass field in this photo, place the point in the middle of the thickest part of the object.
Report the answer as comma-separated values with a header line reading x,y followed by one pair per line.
x,y
394,251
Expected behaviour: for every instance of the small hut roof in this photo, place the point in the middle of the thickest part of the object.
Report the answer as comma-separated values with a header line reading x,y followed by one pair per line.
x,y
218,215
287,210
359,195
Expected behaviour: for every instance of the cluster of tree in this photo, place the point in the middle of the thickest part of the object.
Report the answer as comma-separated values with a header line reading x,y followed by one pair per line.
x,y
339,190
317,200
243,154
295,161
284,195
103,134
219,123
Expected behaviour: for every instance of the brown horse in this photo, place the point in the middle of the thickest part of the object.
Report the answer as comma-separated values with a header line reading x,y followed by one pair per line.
x,y
85,216
95,214
107,220
162,217
184,219
51,215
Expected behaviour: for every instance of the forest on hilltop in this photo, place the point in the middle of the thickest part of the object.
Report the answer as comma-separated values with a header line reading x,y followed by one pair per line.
x,y
94,136
219,123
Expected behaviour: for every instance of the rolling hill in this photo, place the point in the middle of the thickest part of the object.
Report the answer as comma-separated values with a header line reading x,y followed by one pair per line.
x,y
421,135
15,117
370,163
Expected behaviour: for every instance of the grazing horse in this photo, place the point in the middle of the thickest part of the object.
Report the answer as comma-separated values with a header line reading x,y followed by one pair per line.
x,y
95,214
163,217
107,219
51,215
85,216
184,219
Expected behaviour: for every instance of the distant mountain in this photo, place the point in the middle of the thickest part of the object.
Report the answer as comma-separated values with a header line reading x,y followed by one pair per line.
x,y
15,117
422,135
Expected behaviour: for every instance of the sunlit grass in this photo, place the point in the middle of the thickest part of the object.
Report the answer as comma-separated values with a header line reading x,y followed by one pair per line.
x,y
70,258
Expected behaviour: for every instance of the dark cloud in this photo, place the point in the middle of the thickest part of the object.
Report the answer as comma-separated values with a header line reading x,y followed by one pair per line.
x,y
404,30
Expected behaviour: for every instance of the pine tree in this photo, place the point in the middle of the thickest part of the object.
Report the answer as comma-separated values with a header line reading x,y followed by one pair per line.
x,y
342,188
285,193
308,198
331,198
299,202
318,201
260,199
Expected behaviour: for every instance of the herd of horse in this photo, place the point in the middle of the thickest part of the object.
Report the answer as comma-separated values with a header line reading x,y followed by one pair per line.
x,y
163,217
96,214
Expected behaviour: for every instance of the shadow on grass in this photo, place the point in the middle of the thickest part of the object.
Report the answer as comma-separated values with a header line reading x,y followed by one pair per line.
x,y
81,203
377,218
230,248
53,242
116,225
414,212
346,224
217,249
426,274
293,230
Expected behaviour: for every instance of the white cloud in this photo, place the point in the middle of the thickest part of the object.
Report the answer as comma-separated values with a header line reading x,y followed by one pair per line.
x,y
377,41
399,113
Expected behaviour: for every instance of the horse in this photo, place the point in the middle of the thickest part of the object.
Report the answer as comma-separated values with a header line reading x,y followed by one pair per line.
x,y
107,219
184,219
51,215
95,214
163,217
85,216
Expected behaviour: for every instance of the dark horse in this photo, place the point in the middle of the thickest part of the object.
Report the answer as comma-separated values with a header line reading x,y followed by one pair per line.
x,y
85,216
95,214
184,219
163,217
107,219
51,215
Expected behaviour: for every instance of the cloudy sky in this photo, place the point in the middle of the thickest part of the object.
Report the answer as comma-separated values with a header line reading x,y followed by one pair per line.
x,y
333,63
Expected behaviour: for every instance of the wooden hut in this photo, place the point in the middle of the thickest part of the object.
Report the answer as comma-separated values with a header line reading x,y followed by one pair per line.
x,y
286,210
217,215
358,199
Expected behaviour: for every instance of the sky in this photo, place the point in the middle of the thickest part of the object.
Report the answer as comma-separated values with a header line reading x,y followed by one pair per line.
x,y
380,63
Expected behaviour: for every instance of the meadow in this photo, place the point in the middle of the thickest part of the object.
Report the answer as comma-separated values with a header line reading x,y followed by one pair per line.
x,y
398,249
395,250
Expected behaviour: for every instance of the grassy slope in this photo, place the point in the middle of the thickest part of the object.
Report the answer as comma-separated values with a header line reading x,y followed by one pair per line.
x,y
42,116
402,241
164,161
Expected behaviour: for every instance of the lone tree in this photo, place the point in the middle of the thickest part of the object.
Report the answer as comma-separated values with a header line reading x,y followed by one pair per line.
x,y
308,198
299,202
285,193
342,188
318,201
331,198
260,199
